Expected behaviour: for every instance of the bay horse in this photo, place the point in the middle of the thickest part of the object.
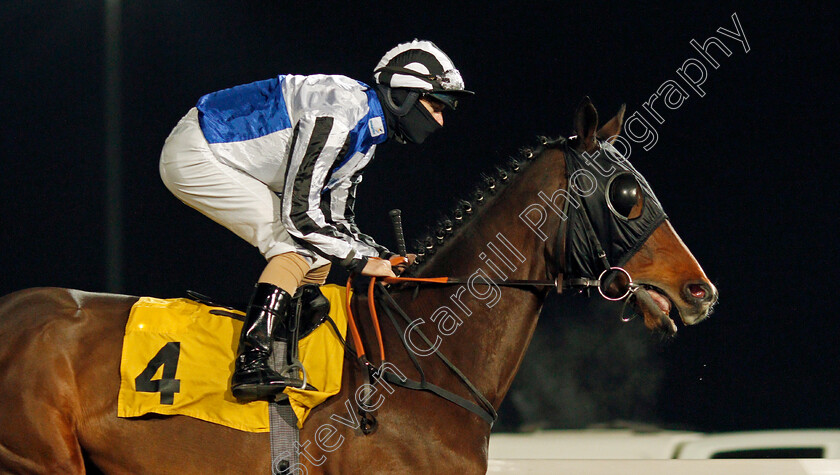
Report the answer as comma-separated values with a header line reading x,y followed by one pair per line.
x,y
60,351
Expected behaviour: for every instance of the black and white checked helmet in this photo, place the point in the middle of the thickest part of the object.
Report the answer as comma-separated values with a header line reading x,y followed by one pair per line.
x,y
421,66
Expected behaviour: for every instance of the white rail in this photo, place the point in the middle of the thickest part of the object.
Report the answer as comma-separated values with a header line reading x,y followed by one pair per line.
x,y
667,467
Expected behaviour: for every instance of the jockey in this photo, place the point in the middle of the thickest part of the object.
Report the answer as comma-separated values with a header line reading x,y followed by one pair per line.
x,y
278,162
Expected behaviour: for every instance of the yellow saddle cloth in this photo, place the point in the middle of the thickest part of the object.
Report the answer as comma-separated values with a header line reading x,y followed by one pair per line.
x,y
178,356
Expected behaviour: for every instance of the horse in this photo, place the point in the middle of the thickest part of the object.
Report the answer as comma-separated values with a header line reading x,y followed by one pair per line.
x,y
60,349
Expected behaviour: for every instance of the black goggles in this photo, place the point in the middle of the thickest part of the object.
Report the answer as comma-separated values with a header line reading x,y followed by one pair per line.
x,y
449,100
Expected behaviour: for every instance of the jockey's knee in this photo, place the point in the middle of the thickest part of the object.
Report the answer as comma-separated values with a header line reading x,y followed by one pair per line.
x,y
286,271
317,275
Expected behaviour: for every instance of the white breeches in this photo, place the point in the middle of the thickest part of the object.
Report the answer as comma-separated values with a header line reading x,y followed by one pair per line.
x,y
228,196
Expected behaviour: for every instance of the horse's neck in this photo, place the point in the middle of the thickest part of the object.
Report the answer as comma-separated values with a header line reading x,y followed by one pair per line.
x,y
498,321
498,235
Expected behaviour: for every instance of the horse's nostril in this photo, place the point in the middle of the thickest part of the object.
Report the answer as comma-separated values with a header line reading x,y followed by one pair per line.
x,y
697,291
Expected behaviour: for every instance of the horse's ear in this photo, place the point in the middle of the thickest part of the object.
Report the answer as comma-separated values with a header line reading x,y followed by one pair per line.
x,y
611,129
586,122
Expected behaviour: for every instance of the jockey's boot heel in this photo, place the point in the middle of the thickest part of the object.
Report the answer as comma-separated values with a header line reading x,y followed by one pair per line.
x,y
253,378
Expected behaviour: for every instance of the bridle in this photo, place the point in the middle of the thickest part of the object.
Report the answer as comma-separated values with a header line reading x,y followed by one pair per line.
x,y
613,283
482,406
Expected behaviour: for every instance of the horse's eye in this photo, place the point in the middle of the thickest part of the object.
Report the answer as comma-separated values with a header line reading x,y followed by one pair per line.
x,y
624,196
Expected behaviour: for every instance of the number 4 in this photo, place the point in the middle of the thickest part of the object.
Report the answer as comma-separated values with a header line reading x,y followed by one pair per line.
x,y
167,386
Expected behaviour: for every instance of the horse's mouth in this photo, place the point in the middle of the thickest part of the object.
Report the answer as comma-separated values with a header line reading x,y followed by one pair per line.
x,y
663,302
655,305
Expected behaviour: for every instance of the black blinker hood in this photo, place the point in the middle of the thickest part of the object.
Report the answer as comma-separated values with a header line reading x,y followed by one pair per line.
x,y
619,237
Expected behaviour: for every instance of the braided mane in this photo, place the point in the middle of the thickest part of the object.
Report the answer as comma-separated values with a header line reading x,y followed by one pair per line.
x,y
489,187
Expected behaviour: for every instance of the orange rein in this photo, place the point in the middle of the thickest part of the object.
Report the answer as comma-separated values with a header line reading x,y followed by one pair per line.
x,y
375,318
351,321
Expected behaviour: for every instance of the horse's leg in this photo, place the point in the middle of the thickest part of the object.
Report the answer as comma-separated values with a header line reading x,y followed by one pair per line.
x,y
38,403
45,443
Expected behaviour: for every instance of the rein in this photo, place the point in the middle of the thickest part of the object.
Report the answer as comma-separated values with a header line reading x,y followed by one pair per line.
x,y
560,284
582,244
484,409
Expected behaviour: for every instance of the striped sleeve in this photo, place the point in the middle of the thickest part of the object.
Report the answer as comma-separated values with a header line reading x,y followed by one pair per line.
x,y
342,201
317,145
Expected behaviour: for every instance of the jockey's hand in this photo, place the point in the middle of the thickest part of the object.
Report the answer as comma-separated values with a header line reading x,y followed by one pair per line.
x,y
400,263
377,267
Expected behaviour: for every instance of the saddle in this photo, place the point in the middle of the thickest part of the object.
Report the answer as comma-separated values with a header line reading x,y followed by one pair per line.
x,y
309,308
194,342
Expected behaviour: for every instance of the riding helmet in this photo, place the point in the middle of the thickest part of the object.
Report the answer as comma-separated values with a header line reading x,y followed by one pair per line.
x,y
410,71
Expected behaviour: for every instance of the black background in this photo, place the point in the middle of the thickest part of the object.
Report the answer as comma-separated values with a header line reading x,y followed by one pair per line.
x,y
747,174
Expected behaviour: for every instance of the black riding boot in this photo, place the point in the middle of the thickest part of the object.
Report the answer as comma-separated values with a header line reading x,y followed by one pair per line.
x,y
253,378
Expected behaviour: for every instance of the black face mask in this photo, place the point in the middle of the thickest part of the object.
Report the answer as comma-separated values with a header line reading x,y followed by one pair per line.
x,y
417,124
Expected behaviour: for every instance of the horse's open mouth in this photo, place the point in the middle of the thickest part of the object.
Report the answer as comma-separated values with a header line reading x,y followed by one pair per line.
x,y
663,302
656,307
